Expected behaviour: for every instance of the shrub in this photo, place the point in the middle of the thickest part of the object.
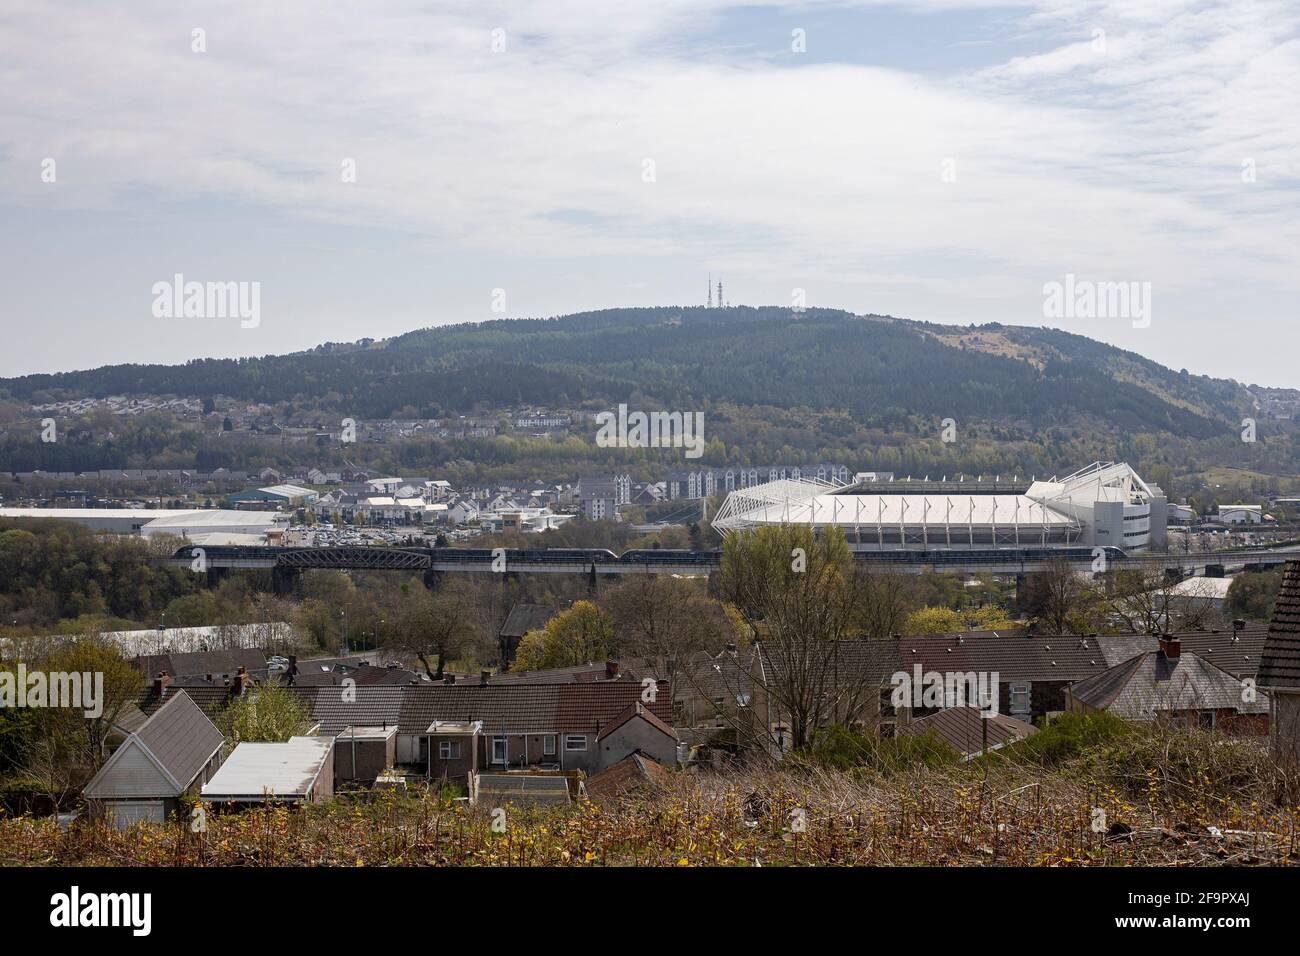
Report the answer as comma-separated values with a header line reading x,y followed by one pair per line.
x,y
842,749
1068,736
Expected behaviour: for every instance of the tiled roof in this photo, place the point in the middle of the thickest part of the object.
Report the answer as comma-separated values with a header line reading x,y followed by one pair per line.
x,y
1280,667
1014,654
586,708
963,729
527,617
1152,683
577,674
212,699
1238,653
198,663
180,735
633,771
361,706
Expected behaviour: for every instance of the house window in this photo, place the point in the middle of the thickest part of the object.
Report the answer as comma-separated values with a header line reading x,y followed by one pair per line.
x,y
574,742
1020,698
498,749
548,745
449,750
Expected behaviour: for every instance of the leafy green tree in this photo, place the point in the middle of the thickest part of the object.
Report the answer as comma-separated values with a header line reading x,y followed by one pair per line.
x,y
267,712
577,635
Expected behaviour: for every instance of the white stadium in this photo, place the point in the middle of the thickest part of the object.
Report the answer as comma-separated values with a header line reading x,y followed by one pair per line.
x,y
1105,504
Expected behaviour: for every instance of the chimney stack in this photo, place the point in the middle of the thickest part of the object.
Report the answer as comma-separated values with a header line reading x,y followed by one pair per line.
x,y
483,678
160,682
611,670
1172,647
240,682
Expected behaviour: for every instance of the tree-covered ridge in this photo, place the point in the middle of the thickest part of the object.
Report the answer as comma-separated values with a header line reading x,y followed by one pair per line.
x,y
876,369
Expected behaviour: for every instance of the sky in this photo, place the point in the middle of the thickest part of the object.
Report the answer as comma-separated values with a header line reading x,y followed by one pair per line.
x,y
371,169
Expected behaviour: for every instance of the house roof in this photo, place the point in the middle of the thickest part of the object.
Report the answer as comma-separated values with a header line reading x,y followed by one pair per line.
x,y
634,771
631,712
198,663
963,729
1279,667
1152,683
178,738
265,771
527,617
1014,654
182,737
1238,653
503,708
211,698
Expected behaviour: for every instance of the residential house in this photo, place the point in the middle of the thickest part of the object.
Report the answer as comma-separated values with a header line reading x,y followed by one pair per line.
x,y
171,754
522,619
1279,669
1171,684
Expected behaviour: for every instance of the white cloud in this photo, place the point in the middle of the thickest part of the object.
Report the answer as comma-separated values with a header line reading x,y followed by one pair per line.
x,y
1121,164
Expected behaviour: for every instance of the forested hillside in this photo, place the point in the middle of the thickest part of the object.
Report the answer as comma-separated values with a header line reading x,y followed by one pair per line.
x,y
872,367
870,390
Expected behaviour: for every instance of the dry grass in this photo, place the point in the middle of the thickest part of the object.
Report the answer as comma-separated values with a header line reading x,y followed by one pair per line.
x,y
963,816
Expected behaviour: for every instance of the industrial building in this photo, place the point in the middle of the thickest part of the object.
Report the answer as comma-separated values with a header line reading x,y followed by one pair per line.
x,y
250,527
1103,505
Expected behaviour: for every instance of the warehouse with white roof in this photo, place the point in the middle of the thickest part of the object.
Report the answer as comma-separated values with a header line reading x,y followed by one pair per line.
x,y
182,522
1105,504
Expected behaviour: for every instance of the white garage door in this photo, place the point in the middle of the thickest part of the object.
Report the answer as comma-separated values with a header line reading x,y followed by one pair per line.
x,y
125,813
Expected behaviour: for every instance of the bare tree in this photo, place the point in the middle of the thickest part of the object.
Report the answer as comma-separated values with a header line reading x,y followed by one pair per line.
x,y
797,593
1059,599
1148,600
664,620
436,627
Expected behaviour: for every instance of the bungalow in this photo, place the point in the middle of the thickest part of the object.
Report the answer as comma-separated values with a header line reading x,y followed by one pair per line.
x,y
450,730
173,753
1169,684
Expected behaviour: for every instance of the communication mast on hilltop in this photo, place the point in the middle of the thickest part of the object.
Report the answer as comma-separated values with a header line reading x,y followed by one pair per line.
x,y
709,303
721,301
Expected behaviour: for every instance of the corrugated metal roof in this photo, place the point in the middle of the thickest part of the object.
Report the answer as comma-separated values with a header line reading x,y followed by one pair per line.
x,y
262,771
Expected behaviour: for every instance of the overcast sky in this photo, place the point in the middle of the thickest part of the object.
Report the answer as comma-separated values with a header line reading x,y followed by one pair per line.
x,y
933,160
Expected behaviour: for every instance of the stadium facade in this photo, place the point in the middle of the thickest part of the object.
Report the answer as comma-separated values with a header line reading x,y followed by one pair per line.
x,y
1103,505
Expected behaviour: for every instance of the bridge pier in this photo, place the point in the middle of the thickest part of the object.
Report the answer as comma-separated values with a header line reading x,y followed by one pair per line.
x,y
284,581
1214,570
433,579
214,576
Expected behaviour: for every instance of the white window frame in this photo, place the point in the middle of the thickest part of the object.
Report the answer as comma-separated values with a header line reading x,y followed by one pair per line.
x,y
549,745
569,740
448,749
